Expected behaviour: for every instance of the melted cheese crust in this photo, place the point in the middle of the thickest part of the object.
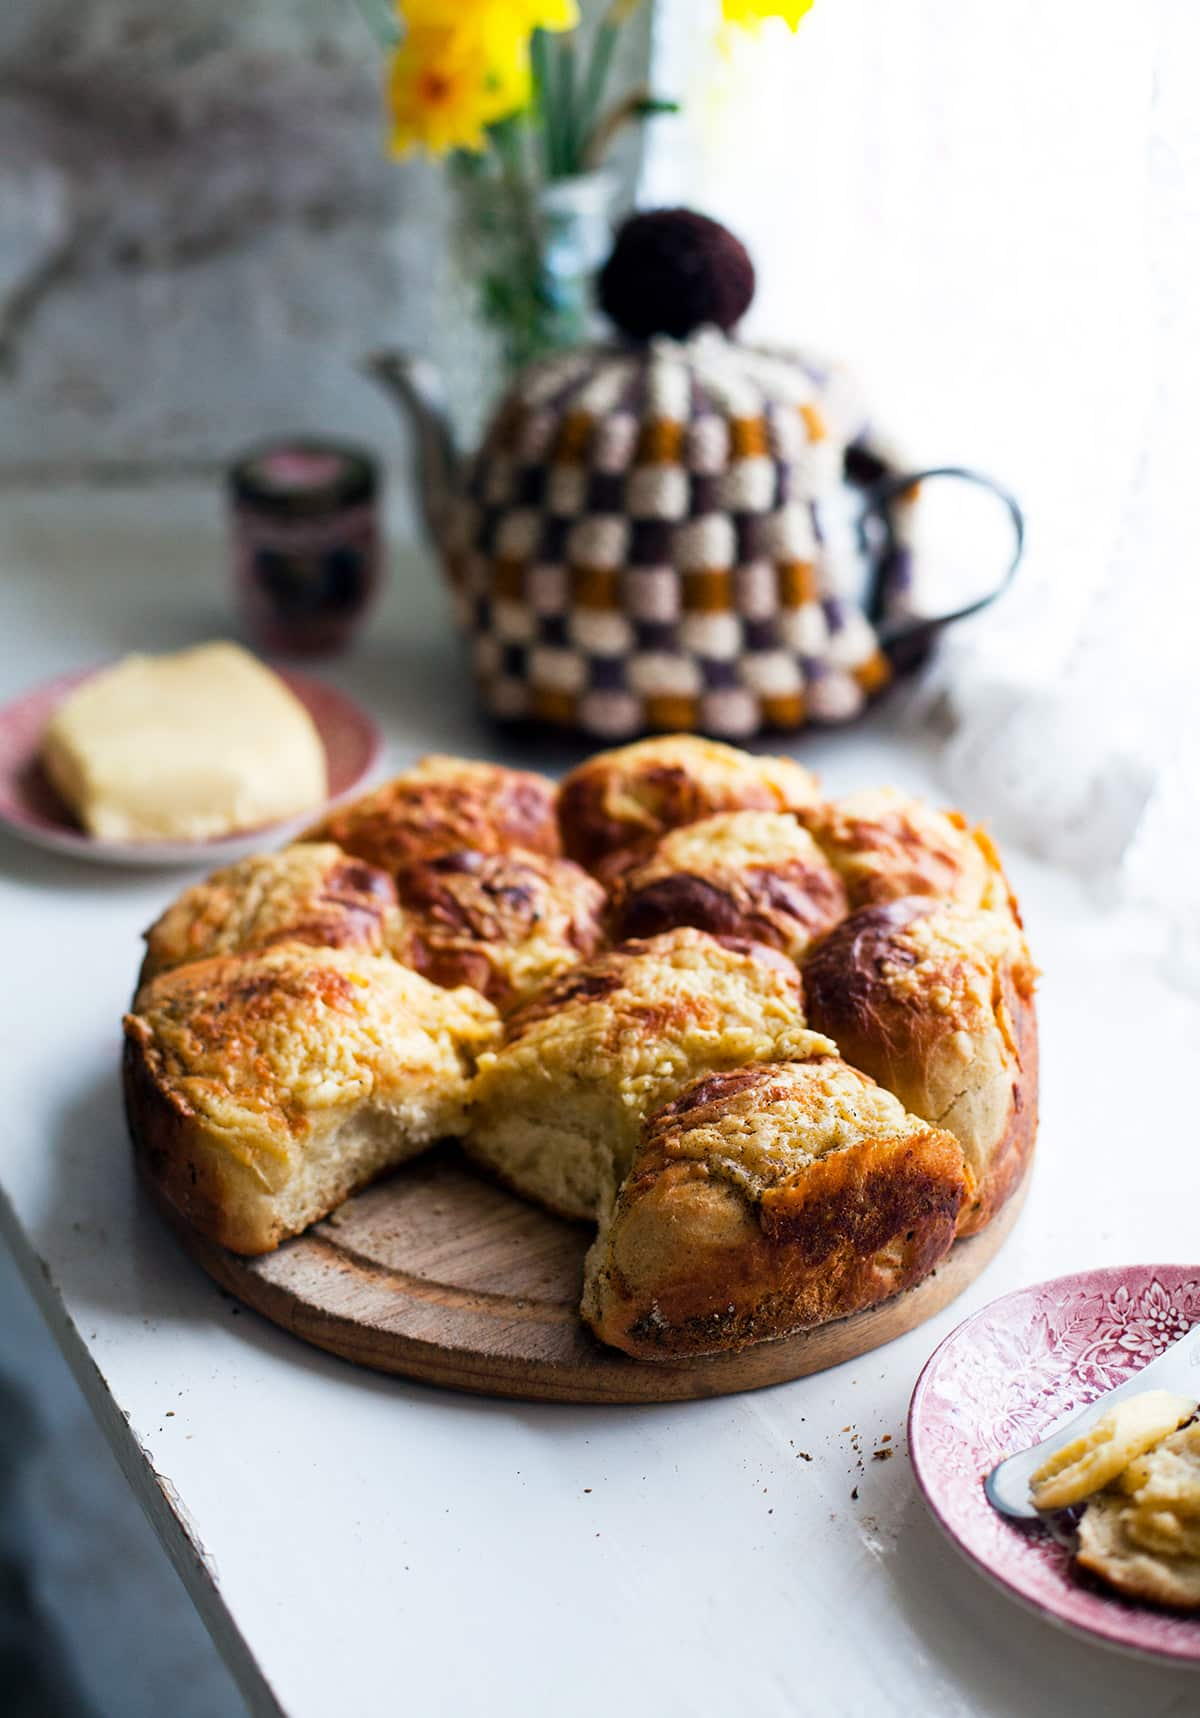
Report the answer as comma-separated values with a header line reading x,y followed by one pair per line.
x,y
311,893
505,922
264,1047
757,1127
444,805
614,807
886,845
757,874
622,1034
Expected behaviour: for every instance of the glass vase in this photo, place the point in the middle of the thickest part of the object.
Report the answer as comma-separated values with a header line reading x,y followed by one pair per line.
x,y
521,262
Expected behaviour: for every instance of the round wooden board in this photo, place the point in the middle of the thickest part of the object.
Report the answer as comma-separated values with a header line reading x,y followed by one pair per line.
x,y
440,1276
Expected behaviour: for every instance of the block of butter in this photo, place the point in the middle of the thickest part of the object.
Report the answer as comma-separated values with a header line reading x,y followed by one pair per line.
x,y
185,747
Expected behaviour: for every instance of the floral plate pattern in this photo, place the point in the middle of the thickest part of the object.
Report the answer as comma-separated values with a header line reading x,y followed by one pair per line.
x,y
998,1383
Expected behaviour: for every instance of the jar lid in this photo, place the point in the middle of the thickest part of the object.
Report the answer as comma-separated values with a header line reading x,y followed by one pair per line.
x,y
302,476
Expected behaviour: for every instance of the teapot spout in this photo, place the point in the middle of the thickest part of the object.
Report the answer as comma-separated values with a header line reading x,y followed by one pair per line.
x,y
415,386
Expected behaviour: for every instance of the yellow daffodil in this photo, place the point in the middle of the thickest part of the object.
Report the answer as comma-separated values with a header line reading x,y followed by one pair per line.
x,y
751,13
516,17
445,87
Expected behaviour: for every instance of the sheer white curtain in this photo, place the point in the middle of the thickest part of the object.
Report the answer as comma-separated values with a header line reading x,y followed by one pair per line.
x,y
994,213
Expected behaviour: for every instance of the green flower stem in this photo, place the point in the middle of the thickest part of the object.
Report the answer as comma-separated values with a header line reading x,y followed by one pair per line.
x,y
568,139
599,66
539,54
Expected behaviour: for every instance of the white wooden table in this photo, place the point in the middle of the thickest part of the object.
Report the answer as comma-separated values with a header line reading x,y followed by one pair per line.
x,y
358,1544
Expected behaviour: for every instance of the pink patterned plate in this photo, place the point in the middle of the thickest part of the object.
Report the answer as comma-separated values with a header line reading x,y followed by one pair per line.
x,y
998,1383
30,808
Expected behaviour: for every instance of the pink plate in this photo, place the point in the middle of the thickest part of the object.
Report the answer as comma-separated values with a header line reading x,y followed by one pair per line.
x,y
998,1383
30,808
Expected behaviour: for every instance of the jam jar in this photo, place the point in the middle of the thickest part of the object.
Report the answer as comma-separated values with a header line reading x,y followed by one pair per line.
x,y
307,543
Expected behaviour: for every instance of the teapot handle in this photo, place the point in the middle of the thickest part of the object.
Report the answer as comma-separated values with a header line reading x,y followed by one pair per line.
x,y
906,643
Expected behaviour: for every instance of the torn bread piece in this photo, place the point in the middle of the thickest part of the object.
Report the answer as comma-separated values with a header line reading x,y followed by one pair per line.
x,y
263,1089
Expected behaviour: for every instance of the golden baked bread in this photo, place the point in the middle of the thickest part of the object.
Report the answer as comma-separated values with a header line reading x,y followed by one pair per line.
x,y
765,1200
263,1089
614,807
557,1107
884,845
443,805
753,874
505,922
310,893
806,1058
935,1001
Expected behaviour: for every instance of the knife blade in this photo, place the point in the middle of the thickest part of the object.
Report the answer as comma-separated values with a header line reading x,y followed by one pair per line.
x,y
1178,1369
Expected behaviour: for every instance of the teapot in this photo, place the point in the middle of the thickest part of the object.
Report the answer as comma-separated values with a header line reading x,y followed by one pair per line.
x,y
675,529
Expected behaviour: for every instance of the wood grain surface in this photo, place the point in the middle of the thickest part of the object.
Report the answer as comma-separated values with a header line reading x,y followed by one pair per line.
x,y
438,1275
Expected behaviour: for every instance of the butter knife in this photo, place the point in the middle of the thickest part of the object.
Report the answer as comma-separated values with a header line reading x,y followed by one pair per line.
x,y
1178,1369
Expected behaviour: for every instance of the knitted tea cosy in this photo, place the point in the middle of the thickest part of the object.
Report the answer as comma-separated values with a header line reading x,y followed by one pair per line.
x,y
649,538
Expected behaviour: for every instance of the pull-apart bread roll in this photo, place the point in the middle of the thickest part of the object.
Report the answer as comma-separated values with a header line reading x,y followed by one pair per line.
x,y
754,874
442,806
935,1002
779,1048
310,893
765,1200
505,922
614,807
263,1089
557,1109
884,845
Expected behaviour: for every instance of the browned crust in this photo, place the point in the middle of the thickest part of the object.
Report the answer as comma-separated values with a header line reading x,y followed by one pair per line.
x,y
171,1153
349,908
893,1041
1013,1150
468,916
774,904
936,857
848,1231
408,821
669,795
605,974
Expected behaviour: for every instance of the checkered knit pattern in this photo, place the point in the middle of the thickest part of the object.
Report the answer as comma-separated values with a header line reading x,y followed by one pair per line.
x,y
641,547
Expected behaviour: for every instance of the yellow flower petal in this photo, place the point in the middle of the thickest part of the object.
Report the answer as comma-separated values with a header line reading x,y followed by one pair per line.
x,y
514,17
547,14
445,88
751,13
